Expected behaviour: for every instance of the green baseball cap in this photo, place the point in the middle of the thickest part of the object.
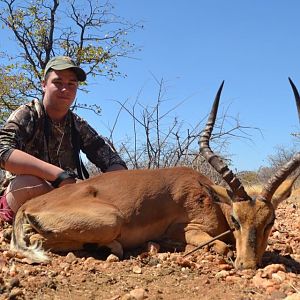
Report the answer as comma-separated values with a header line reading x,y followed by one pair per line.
x,y
63,63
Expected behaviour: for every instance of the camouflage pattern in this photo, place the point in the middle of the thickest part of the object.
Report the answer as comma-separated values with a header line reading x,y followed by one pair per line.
x,y
25,130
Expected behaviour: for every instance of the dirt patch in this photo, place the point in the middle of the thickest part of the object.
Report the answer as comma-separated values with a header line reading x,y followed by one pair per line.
x,y
165,275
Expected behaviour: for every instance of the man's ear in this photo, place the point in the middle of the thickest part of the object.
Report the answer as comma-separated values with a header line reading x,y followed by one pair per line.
x,y
43,85
223,194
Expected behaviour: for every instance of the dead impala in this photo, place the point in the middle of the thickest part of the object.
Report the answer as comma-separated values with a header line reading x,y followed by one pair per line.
x,y
125,209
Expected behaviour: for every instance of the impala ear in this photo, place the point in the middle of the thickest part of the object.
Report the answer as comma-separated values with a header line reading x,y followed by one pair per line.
x,y
223,194
283,192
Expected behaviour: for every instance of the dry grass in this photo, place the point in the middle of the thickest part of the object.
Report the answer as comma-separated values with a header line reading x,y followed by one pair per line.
x,y
296,192
253,190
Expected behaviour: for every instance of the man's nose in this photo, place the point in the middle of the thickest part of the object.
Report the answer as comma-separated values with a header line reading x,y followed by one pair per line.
x,y
64,87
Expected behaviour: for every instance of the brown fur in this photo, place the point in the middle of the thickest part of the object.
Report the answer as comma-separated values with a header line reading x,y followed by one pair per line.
x,y
124,209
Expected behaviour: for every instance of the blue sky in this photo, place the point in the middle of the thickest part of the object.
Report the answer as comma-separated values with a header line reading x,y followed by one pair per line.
x,y
193,45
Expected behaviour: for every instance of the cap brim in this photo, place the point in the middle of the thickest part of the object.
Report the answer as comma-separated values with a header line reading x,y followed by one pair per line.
x,y
81,75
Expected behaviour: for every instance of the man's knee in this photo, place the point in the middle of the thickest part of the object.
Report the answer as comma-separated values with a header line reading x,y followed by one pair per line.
x,y
23,188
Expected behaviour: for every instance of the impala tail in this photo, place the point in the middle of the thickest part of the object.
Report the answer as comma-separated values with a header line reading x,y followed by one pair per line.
x,y
20,243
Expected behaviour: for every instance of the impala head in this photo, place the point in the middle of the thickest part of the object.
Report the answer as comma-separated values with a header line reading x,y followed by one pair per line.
x,y
252,216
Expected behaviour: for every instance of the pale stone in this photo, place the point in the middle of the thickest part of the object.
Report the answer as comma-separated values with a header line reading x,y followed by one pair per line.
x,y
112,258
279,277
137,270
222,274
295,296
270,269
262,282
70,257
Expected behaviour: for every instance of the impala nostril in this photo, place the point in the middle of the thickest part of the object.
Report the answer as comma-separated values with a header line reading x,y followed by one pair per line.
x,y
240,266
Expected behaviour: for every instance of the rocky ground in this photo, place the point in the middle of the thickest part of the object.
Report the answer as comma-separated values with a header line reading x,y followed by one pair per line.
x,y
152,275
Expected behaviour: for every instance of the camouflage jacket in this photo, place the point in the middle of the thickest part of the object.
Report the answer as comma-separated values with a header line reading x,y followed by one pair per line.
x,y
25,130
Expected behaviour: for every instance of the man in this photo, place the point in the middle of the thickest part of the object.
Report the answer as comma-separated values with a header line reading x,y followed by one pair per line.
x,y
40,142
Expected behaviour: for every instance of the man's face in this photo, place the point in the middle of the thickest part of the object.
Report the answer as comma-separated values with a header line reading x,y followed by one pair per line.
x,y
60,89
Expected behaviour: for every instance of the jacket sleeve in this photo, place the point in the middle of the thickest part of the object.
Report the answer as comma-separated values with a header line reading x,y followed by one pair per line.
x,y
17,130
98,149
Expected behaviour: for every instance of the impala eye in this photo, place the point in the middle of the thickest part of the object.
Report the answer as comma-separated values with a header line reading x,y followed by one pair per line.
x,y
270,225
235,223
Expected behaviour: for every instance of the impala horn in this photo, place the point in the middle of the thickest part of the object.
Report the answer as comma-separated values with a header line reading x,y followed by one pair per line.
x,y
214,160
297,97
288,168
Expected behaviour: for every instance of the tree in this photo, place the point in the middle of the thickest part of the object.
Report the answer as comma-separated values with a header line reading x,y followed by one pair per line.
x,y
95,38
158,139
88,32
281,156
11,87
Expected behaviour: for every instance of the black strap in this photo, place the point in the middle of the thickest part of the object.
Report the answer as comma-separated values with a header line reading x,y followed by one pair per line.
x,y
81,169
61,177
46,132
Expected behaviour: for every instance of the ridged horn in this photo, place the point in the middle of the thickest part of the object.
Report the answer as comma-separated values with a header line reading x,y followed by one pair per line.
x,y
279,176
297,97
214,160
288,168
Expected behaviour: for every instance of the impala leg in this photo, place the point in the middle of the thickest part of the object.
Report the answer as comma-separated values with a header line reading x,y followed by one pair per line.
x,y
196,237
192,235
100,225
116,248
